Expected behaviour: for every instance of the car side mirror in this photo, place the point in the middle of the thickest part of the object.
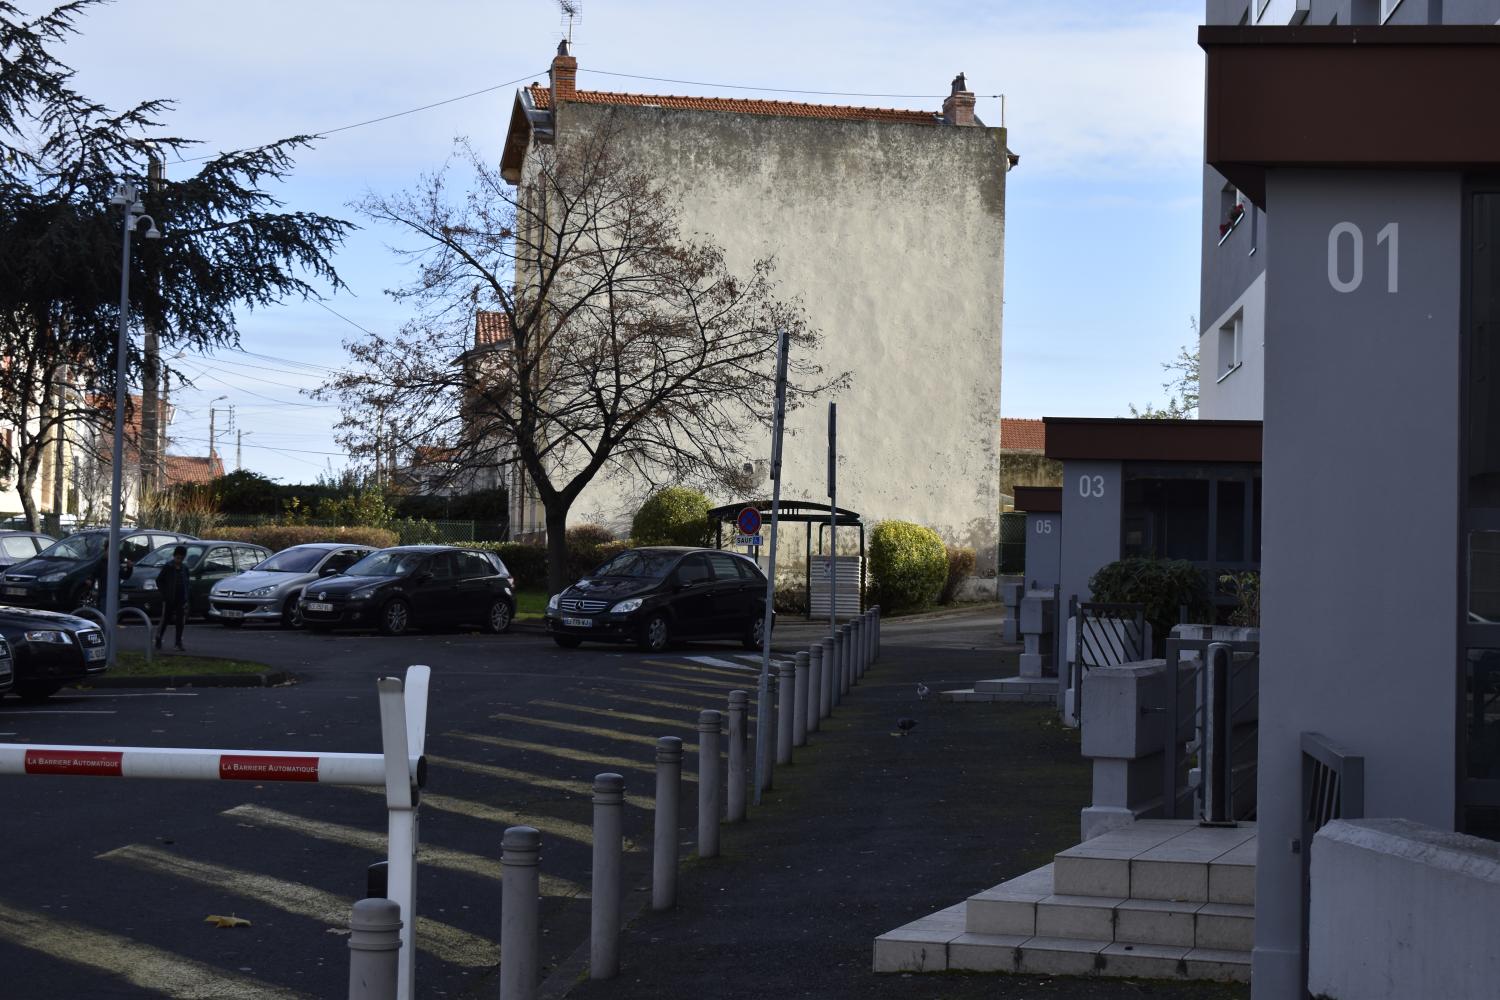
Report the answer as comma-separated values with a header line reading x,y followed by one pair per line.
x,y
329,571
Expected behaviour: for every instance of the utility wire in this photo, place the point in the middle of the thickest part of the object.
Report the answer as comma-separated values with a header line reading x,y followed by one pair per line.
x,y
771,90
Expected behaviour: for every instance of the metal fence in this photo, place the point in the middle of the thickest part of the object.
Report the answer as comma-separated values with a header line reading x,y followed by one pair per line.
x,y
1212,711
1013,542
1104,635
1333,787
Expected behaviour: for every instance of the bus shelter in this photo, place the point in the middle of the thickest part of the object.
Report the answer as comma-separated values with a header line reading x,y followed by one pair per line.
x,y
804,512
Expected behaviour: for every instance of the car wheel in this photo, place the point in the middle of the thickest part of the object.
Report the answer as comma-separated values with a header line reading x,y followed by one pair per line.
x,y
567,641
498,620
655,634
755,633
395,618
291,612
34,691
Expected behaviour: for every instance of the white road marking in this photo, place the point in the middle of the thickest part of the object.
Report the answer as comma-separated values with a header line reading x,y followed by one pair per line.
x,y
161,973
596,731
448,943
62,711
651,720
710,661
506,774
646,762
134,694
550,826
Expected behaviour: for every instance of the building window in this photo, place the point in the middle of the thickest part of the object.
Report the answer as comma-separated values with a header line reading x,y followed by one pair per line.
x,y
1231,345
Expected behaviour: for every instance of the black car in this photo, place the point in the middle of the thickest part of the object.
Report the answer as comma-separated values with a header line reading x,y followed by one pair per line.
x,y
414,585
653,596
207,563
49,649
67,575
19,546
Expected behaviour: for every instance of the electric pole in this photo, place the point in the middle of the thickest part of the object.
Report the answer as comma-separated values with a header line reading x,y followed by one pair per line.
x,y
150,447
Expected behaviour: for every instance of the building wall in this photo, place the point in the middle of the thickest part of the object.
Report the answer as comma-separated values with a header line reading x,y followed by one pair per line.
x,y
1358,635
1043,551
891,236
1091,503
1237,394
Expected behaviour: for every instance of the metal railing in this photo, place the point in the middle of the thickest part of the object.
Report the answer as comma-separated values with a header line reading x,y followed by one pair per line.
x,y
1333,787
1104,635
1212,710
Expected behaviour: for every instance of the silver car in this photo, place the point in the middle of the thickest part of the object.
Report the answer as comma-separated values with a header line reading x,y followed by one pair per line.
x,y
269,591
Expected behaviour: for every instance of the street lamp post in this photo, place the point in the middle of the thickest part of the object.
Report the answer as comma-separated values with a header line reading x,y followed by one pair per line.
x,y
126,197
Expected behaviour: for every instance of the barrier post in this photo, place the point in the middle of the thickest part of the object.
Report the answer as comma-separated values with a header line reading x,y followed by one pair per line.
x,y
664,844
765,734
815,666
739,702
857,651
403,734
520,904
785,710
604,906
826,683
374,949
867,629
708,783
801,666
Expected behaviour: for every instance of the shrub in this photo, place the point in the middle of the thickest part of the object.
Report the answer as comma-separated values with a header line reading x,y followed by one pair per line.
x,y
280,536
1162,585
589,536
908,564
676,515
1245,588
526,561
960,568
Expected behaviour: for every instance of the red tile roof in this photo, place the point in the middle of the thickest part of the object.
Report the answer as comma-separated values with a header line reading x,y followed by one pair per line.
x,y
1020,434
490,328
191,469
541,97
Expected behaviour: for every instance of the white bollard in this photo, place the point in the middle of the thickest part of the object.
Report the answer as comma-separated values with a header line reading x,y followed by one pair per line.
x,y
664,844
606,895
767,750
785,710
802,667
520,906
708,783
374,949
876,611
846,660
739,707
814,687
827,684
857,652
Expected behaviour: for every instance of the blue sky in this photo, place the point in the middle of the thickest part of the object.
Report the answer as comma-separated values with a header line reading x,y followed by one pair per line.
x,y
1103,102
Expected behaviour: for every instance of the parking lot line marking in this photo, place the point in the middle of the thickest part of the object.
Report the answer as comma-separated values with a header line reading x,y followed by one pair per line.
x,y
62,711
427,854
579,788
646,762
661,703
718,697
713,661
596,731
161,972
717,683
550,826
651,720
737,675
446,942
135,694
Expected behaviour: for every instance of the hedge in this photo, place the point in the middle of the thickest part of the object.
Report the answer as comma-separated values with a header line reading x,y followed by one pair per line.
x,y
1164,586
960,568
282,536
676,515
527,561
908,564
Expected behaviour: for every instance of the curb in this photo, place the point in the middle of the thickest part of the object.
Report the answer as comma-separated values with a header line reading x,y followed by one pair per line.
x,y
269,679
529,627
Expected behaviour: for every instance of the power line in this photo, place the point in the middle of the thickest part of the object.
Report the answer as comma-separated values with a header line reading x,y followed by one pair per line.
x,y
271,399
264,447
323,305
772,90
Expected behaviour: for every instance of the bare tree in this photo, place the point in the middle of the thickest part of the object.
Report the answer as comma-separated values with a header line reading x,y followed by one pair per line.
x,y
1181,385
634,349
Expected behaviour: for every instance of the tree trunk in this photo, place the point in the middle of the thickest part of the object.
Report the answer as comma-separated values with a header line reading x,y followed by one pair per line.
x,y
25,480
557,544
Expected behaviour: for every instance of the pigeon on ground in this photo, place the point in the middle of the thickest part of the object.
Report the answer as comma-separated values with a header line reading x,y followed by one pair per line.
x,y
923,691
905,726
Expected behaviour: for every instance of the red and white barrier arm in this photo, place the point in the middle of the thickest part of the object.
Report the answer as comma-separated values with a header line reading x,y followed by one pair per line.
x,y
199,765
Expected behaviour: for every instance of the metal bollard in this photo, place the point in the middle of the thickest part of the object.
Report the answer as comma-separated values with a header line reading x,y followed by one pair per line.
x,y
815,668
767,752
605,902
520,905
846,661
377,880
664,844
836,675
826,683
802,666
709,791
876,609
785,709
857,652
739,705
374,949
867,635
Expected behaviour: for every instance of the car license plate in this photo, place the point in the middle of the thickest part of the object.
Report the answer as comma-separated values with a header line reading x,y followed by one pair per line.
x,y
318,606
233,613
94,655
578,622
15,591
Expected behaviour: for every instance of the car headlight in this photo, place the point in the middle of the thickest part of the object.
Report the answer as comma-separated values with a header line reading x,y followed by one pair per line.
x,y
56,577
149,585
362,595
625,606
552,602
46,635
262,591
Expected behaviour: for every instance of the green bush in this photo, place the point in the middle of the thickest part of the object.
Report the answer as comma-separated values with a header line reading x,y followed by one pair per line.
x,y
676,515
960,568
908,564
1162,585
589,536
280,536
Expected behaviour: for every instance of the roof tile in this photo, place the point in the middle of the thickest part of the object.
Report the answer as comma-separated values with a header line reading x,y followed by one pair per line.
x,y
1021,434
541,97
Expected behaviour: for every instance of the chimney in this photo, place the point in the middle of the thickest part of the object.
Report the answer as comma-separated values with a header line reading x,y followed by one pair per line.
x,y
958,109
564,75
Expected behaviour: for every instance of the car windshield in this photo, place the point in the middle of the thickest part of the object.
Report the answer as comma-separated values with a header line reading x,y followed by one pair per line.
x,y
386,564
163,555
298,559
87,546
639,564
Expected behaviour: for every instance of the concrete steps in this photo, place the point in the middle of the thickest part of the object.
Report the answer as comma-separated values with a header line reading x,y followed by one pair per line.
x,y
1157,899
1040,690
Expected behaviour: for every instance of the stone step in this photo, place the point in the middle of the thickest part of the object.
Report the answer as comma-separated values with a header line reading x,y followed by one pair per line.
x,y
1173,860
1027,906
1022,685
969,694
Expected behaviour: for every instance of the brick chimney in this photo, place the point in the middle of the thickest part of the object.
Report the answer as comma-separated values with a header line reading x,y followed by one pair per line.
x,y
958,109
564,75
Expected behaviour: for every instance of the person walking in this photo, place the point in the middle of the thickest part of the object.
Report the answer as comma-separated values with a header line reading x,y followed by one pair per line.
x,y
172,584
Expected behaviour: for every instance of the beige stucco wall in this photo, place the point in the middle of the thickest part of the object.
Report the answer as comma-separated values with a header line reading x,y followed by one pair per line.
x,y
892,237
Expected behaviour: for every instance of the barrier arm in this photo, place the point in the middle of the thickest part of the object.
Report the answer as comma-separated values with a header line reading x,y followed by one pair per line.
x,y
403,734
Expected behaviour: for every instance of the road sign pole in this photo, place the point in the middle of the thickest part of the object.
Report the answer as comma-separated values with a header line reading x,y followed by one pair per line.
x,y
833,517
763,700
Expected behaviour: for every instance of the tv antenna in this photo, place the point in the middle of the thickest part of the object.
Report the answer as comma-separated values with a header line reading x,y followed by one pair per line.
x,y
572,13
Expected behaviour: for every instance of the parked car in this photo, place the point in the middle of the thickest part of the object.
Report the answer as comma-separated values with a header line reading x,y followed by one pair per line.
x,y
19,546
208,562
66,574
49,649
653,596
7,668
414,585
270,591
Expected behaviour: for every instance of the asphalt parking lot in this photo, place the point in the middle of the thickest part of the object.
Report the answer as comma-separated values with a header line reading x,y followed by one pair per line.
x,y
111,880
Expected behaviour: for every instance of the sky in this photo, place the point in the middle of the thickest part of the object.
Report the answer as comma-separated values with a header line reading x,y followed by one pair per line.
x,y
1103,102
